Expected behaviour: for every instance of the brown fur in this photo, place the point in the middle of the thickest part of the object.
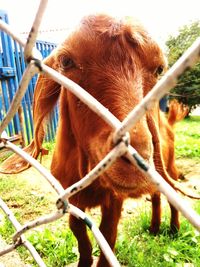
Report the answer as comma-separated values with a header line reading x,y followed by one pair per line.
x,y
116,62
176,113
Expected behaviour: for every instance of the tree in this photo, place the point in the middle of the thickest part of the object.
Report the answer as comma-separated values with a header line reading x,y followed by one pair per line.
x,y
187,90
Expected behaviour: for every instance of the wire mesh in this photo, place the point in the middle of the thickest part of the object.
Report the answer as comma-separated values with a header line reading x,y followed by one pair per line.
x,y
120,138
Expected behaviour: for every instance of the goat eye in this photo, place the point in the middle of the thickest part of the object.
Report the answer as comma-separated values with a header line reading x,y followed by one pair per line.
x,y
159,70
66,62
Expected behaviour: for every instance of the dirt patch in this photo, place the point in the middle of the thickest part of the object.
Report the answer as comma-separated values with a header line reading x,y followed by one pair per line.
x,y
191,170
189,167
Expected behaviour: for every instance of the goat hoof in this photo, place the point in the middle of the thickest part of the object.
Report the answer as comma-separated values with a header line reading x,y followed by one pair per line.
x,y
174,229
85,262
154,230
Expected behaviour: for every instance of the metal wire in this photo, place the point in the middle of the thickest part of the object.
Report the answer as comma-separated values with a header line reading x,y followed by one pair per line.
x,y
120,139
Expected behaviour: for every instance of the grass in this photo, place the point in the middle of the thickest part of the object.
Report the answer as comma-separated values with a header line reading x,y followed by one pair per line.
x,y
188,138
22,198
135,245
58,248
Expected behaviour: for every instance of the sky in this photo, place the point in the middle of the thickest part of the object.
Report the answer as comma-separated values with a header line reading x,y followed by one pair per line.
x,y
161,17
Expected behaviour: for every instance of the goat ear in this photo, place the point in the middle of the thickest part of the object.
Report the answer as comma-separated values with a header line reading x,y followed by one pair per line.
x,y
45,97
177,112
137,35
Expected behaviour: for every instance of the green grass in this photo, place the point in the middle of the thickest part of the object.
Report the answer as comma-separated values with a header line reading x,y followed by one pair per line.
x,y
136,247
18,196
50,146
187,140
57,248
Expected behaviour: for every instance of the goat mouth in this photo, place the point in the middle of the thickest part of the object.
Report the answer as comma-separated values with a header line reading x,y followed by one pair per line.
x,y
131,190
118,188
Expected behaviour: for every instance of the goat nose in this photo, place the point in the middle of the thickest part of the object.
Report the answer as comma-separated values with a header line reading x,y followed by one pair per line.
x,y
142,142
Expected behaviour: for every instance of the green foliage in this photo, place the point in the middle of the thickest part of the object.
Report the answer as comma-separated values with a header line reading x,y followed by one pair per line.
x,y
177,45
187,138
188,88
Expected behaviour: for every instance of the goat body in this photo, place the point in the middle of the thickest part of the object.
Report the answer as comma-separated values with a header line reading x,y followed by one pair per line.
x,y
118,63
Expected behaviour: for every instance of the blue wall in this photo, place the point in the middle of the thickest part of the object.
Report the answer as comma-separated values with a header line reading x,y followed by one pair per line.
x,y
12,66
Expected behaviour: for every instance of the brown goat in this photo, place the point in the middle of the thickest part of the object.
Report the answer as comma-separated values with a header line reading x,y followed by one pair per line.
x,y
176,113
117,62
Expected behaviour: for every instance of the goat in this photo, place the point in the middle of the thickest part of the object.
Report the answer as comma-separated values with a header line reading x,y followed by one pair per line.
x,y
117,62
177,112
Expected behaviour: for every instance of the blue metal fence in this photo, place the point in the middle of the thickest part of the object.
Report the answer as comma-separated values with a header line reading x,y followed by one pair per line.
x,y
12,66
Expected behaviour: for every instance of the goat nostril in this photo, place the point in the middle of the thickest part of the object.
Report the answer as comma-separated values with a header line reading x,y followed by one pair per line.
x,y
126,160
